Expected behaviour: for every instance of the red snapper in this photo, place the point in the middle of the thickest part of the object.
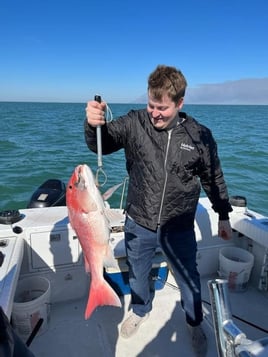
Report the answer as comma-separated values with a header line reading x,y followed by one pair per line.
x,y
86,213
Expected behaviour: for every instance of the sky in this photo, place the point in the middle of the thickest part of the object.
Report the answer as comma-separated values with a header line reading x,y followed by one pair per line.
x,y
67,51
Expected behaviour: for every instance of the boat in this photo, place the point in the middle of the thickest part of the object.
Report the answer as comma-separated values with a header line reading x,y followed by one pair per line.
x,y
41,255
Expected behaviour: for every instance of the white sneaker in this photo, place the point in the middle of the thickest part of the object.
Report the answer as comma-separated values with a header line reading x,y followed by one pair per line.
x,y
199,340
131,325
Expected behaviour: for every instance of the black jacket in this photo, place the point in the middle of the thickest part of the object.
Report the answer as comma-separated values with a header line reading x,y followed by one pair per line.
x,y
165,167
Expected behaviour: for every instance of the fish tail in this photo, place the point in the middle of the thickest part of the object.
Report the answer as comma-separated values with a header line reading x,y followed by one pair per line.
x,y
101,294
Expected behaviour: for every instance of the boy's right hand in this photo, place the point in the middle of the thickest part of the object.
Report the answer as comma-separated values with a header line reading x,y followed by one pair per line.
x,y
95,113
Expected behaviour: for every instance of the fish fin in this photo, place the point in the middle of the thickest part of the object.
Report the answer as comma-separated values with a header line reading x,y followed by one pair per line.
x,y
106,217
88,206
101,294
110,191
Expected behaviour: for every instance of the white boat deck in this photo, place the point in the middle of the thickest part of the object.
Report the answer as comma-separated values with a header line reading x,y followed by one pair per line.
x,y
51,250
163,334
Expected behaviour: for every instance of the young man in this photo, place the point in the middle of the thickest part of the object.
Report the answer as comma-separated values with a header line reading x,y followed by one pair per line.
x,y
168,154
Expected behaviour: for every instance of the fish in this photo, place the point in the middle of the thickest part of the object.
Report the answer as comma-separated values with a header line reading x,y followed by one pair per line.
x,y
86,212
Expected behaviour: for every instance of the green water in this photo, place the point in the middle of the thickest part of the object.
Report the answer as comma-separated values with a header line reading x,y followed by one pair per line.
x,y
40,141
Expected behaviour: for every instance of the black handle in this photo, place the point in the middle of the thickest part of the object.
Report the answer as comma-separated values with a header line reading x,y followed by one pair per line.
x,y
97,98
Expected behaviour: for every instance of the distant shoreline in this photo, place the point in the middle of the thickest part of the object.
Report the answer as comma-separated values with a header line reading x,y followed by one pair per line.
x,y
130,103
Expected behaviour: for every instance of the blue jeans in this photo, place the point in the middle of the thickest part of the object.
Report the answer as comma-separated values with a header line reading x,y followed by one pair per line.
x,y
180,250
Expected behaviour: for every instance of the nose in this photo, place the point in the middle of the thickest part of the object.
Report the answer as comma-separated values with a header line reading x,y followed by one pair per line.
x,y
155,113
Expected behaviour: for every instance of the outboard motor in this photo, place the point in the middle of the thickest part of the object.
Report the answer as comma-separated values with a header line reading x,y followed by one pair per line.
x,y
51,193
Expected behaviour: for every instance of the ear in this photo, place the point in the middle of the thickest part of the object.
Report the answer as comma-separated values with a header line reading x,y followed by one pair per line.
x,y
180,103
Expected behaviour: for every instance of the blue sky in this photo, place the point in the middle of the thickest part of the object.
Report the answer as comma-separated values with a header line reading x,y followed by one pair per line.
x,y
68,50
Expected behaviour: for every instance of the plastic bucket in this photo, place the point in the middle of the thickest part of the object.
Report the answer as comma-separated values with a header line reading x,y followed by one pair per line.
x,y
235,265
31,303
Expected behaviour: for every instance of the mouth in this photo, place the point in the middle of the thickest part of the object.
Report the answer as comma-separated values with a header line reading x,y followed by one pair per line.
x,y
158,120
80,182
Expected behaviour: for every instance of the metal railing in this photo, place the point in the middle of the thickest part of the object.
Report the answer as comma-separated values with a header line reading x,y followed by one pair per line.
x,y
230,340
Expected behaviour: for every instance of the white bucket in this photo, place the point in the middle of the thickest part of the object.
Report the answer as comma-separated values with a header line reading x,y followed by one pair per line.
x,y
31,303
235,266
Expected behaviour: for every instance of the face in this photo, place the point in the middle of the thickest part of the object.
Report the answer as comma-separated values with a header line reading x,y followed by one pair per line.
x,y
162,112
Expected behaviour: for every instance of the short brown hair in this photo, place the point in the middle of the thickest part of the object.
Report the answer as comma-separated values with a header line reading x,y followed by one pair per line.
x,y
167,80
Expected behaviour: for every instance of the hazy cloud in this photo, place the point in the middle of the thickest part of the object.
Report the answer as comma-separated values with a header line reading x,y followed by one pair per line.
x,y
243,91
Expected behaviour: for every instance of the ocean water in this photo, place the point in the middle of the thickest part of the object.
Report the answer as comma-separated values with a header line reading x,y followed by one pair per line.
x,y
40,141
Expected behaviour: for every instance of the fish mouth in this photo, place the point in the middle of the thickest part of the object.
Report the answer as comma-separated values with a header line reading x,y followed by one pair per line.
x,y
81,182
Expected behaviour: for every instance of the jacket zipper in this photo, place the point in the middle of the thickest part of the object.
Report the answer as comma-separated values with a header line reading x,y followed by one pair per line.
x,y
165,182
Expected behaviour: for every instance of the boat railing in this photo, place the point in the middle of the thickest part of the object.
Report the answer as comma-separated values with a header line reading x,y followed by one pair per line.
x,y
230,340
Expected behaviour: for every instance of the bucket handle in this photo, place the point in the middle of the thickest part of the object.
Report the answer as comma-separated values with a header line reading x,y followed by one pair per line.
x,y
34,332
